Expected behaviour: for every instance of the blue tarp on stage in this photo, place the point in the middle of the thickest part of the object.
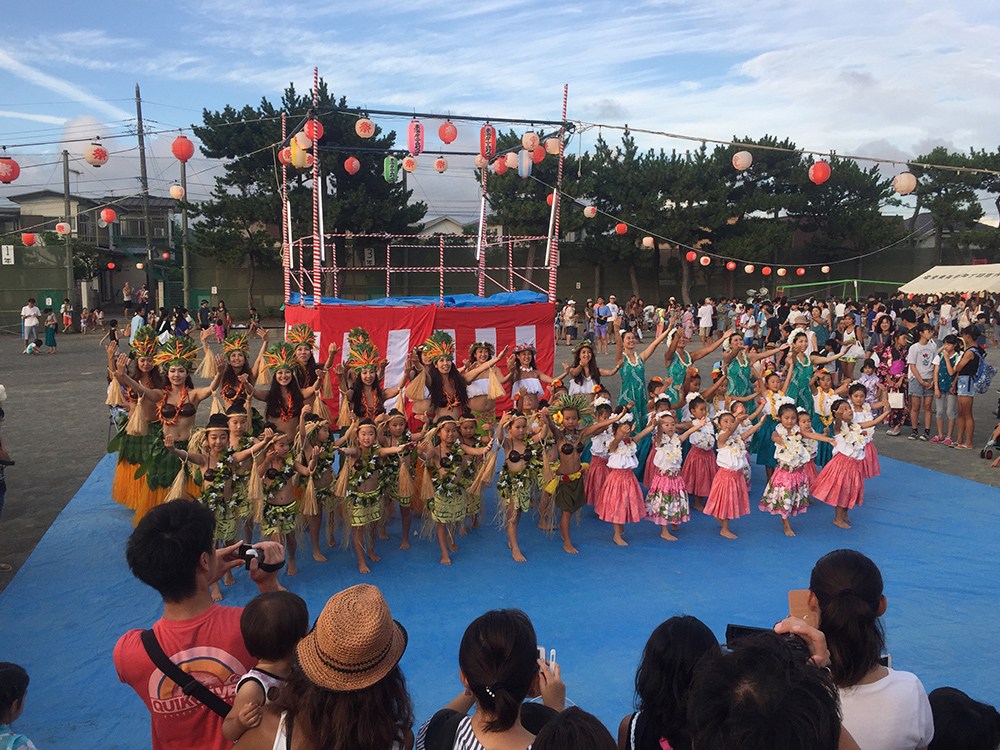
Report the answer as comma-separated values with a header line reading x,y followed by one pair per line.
x,y
933,536
503,299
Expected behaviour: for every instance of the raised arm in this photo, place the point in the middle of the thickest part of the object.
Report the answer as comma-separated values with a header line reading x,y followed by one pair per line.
x,y
153,394
769,353
478,370
817,360
255,370
695,356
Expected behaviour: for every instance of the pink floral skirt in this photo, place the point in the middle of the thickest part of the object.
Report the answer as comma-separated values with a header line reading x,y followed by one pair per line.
x,y
870,466
699,471
621,499
728,497
787,493
593,480
840,484
667,500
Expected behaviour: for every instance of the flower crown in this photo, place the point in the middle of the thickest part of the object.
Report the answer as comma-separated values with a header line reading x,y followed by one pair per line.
x,y
556,383
525,348
301,335
585,344
178,351
358,335
235,342
482,345
145,343
602,401
439,346
281,356
364,356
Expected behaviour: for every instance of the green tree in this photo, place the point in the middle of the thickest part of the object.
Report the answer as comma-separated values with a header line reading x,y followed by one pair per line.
x,y
950,196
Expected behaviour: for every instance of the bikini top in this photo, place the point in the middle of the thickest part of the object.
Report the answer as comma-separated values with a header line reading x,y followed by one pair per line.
x,y
514,456
567,449
170,411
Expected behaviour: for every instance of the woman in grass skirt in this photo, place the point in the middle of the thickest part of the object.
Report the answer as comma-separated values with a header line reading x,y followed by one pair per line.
x,y
667,500
729,497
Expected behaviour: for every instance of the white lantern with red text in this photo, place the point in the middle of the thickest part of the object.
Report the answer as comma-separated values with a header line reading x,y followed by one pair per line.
x,y
481,162
364,127
63,228
704,260
96,155
440,164
304,141
742,160
511,160
177,192
409,164
782,272
590,211
552,145
825,269
529,140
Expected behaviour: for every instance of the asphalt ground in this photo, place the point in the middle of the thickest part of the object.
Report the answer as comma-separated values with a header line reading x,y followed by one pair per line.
x,y
57,428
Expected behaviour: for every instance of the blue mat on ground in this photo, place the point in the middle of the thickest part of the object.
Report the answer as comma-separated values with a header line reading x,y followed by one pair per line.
x,y
932,535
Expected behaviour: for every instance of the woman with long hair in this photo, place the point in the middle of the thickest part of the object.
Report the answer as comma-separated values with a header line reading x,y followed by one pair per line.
x,y
883,333
523,372
303,339
966,370
484,382
284,398
585,374
853,345
237,375
446,385
883,709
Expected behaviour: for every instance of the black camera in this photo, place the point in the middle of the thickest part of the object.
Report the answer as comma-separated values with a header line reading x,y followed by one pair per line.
x,y
247,553
794,643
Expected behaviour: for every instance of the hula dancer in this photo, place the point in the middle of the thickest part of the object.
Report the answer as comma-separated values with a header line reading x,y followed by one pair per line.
x,y
584,373
318,496
448,393
524,373
239,440
238,375
699,468
396,473
621,499
738,364
302,338
729,497
667,500
812,445
787,493
514,483
824,397
799,384
862,412
593,480
773,397
284,398
468,435
484,385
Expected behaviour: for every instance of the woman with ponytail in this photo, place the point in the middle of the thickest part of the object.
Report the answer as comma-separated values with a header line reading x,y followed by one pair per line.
x,y
883,709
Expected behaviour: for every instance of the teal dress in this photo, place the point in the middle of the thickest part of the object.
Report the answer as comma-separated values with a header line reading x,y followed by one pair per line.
x,y
633,377
798,388
738,373
677,372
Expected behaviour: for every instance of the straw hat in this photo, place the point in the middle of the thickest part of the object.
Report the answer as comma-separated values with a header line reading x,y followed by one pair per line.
x,y
354,642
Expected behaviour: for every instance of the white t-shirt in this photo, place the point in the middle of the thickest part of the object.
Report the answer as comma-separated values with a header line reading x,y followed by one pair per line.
x,y
840,310
30,314
705,316
614,311
890,714
922,355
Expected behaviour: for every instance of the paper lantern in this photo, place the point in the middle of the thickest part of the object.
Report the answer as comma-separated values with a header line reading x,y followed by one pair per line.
x,y
285,156
800,272
182,148
314,129
9,170
552,145
165,255
447,132
500,166
390,169
782,271
704,260
440,164
297,156
524,163
742,160
590,211
309,160
538,154
648,242
511,159
488,141
904,183
364,127
96,155
140,265
62,228
111,266
529,140
825,269
731,265
304,141
748,268
177,192
28,239
765,271
691,256
621,228
409,163
481,161
819,172
108,215
351,165
550,199
415,137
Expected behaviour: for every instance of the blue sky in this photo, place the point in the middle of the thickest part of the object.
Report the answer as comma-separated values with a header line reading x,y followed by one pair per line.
x,y
886,79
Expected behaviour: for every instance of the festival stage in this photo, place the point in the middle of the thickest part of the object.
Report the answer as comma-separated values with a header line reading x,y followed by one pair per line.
x,y
933,536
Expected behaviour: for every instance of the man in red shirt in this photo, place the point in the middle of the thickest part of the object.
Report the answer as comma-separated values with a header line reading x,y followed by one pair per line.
x,y
172,550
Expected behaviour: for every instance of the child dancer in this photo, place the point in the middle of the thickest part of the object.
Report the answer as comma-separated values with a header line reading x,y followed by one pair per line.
x,y
514,483
318,496
467,434
667,499
239,440
862,412
699,467
812,445
743,429
774,397
787,493
841,483
276,508
396,472
621,499
593,480
824,397
729,497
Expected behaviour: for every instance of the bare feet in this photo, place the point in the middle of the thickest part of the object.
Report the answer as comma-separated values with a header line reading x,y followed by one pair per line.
x,y
331,539
728,534
518,557
405,544
383,535
475,522
789,532
373,557
841,523
619,541
318,556
699,505
787,527
452,546
667,535
569,549
293,568
216,592
228,578
445,560
462,531
363,568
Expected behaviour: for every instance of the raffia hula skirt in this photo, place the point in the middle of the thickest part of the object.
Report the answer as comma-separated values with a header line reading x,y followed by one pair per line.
x,y
840,483
870,466
698,472
621,499
729,497
594,479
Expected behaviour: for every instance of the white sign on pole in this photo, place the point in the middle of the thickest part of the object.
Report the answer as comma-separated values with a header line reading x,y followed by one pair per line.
x,y
215,290
7,255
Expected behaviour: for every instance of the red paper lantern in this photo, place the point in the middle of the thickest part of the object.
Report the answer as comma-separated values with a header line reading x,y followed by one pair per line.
x,y
538,154
165,255
108,215
549,199
351,165
111,266
182,148
415,137
28,239
691,256
731,265
364,127
766,271
96,155
440,164
819,172
621,228
447,132
500,166
782,272
800,272
314,130
63,228
488,142
9,170
704,260
285,156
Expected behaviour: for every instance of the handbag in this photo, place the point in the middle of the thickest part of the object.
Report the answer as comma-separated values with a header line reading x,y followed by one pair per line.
x,y
896,401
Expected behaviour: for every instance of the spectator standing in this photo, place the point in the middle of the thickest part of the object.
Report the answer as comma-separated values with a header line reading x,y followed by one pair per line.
x,y
204,315
967,369
613,315
51,327
602,313
705,313
66,312
138,321
127,295
569,321
588,317
29,321
945,398
920,382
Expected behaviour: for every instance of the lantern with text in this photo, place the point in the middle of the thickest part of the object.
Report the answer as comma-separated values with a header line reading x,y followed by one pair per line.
x,y
415,137
742,160
304,141
648,243
500,166
529,140
28,239
63,228
481,161
621,228
314,130
364,127
409,163
731,265
704,260
691,256
538,154
9,170
351,165
800,272
108,215
285,156
447,132
511,159
96,155
440,164
782,271
904,183
819,172
177,192
552,145
390,169
825,269
488,141
524,163
590,211
182,148
765,271
748,268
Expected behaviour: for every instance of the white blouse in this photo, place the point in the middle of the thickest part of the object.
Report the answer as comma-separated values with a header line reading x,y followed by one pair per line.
x,y
600,442
668,457
865,415
624,456
733,455
478,387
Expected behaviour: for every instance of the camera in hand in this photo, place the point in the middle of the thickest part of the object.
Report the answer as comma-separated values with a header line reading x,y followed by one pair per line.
x,y
794,643
247,553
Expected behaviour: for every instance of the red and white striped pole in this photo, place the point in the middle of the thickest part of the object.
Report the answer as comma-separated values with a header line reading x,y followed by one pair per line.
x,y
482,237
441,270
510,265
317,267
388,269
557,203
286,241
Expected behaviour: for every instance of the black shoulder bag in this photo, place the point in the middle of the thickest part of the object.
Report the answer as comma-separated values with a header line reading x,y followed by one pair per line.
x,y
188,684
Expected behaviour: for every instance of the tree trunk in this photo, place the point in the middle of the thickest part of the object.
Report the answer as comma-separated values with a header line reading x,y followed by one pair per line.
x,y
685,280
253,274
939,244
597,280
634,278
913,220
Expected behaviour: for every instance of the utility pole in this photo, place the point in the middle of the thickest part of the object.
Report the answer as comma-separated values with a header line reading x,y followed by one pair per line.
x,y
144,183
69,235
184,237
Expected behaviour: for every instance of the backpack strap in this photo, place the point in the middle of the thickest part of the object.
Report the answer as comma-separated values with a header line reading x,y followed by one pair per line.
x,y
442,729
187,683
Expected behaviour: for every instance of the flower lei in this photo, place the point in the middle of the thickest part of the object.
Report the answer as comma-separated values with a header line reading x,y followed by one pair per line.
x,y
325,461
286,412
369,465
772,402
213,493
163,402
824,415
230,394
372,409
852,434
284,474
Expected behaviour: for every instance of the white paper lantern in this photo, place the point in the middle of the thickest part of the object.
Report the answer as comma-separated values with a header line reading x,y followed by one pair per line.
x,y
62,228
825,269
648,242
177,192
409,164
529,140
481,161
304,141
95,155
782,271
590,211
904,183
742,160
440,164
704,260
511,160
552,145
524,163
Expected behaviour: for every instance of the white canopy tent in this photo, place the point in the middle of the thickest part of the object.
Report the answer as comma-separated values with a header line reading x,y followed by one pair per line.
x,y
948,279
